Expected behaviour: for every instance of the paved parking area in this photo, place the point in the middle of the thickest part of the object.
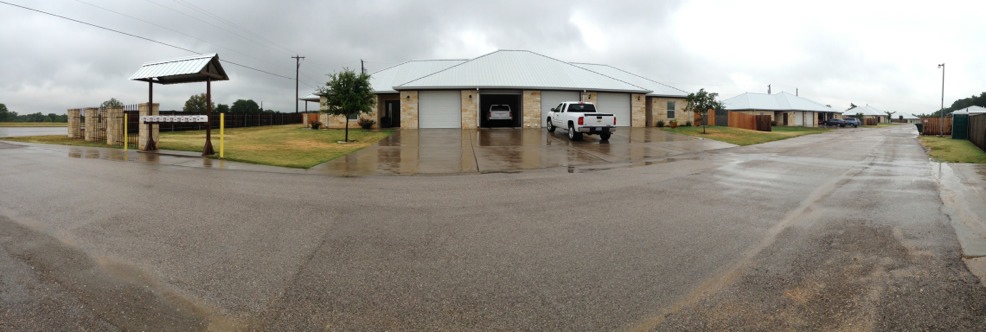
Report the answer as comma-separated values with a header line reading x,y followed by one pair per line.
x,y
455,151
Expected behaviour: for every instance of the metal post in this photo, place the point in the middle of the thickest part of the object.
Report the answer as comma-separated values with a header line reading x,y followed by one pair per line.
x,y
941,111
222,134
125,134
207,149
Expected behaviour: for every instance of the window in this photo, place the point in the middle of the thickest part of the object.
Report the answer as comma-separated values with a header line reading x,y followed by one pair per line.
x,y
353,116
671,109
582,108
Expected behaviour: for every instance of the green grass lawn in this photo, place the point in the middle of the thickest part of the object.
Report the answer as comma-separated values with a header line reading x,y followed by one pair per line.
x,y
33,124
746,137
285,146
951,150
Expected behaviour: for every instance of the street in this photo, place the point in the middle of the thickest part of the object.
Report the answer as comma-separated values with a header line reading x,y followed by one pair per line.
x,y
839,231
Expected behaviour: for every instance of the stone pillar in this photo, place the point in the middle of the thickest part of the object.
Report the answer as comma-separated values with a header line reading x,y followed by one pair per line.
x,y
469,100
144,132
90,132
638,110
74,124
409,110
531,109
589,96
114,126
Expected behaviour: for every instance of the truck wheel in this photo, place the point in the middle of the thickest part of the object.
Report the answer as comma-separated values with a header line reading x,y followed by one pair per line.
x,y
605,136
574,135
551,126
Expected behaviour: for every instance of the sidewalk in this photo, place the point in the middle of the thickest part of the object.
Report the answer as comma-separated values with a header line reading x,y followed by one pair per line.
x,y
963,191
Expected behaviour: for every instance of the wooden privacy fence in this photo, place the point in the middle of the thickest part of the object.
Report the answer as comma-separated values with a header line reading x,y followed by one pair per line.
x,y
870,122
934,126
748,121
977,130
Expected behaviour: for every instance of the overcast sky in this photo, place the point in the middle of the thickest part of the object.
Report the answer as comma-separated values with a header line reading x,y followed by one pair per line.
x,y
881,53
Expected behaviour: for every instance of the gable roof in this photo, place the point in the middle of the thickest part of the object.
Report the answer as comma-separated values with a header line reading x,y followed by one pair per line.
x,y
514,69
384,81
196,68
971,110
773,102
658,89
867,110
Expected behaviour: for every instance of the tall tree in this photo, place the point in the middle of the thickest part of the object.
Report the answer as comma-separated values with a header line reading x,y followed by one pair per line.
x,y
703,102
112,103
196,104
245,106
6,115
222,108
348,93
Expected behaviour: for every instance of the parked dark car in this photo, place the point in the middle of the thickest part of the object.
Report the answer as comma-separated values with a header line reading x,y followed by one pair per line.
x,y
854,122
834,123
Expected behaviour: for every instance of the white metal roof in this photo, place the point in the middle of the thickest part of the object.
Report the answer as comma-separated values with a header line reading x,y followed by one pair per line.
x,y
657,88
196,68
773,102
867,110
971,110
516,69
311,97
384,81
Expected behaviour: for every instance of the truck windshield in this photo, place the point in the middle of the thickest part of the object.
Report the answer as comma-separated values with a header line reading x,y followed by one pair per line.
x,y
582,108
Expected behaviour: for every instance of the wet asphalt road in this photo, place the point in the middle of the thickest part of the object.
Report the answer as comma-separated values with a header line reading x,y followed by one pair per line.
x,y
841,231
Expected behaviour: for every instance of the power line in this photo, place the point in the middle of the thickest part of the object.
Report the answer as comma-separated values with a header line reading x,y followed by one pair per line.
x,y
233,25
138,37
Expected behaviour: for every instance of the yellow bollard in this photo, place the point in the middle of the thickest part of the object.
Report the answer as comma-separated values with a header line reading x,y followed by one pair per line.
x,y
125,132
222,127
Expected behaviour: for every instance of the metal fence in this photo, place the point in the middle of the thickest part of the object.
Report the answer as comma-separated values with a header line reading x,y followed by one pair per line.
x,y
133,125
233,120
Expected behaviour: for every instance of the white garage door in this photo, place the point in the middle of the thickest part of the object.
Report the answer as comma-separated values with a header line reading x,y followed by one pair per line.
x,y
616,103
551,99
439,109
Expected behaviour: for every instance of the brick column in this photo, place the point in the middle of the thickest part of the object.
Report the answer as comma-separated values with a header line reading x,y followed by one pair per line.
x,y
638,110
90,131
74,124
143,127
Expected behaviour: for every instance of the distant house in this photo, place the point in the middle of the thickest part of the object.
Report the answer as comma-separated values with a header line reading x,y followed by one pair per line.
x,y
869,112
460,93
783,108
971,110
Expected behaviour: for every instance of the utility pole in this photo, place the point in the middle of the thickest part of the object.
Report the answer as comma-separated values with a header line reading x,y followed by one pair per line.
x,y
297,67
941,111
362,68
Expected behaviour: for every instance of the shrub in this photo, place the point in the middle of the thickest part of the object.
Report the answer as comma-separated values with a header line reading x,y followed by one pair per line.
x,y
688,123
773,123
660,123
316,125
366,123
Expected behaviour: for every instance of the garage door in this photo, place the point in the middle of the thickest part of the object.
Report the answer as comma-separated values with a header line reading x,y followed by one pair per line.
x,y
551,99
616,103
439,109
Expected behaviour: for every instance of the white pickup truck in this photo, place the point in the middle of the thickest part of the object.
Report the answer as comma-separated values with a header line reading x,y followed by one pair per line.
x,y
581,118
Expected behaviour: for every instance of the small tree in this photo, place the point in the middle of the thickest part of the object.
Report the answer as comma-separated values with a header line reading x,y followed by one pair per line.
x,y
890,115
222,108
348,93
112,103
703,102
245,106
196,104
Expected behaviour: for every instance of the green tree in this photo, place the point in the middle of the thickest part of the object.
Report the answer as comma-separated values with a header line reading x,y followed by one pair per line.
x,y
347,94
245,106
890,115
222,108
703,102
196,104
112,103
6,115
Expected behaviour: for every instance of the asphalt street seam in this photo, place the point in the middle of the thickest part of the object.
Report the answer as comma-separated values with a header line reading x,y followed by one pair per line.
x,y
272,305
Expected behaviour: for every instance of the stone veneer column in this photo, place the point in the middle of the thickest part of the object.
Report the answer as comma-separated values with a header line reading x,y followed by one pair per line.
x,y
90,114
638,110
154,131
531,109
74,124
409,109
114,128
590,96
469,100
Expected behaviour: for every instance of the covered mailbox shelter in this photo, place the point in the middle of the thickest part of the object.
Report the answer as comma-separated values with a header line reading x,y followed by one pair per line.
x,y
197,68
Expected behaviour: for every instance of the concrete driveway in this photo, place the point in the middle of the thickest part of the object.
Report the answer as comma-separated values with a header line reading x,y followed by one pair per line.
x,y
455,151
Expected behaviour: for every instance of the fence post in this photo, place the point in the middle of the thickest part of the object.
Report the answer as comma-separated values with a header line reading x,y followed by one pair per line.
x,y
74,124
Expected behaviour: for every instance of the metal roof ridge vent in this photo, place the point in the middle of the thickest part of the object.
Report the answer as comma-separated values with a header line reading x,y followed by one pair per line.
x,y
185,58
